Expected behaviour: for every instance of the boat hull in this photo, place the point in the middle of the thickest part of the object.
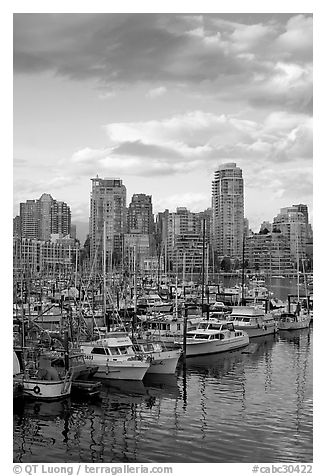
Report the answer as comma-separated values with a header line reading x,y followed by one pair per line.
x,y
45,390
289,326
122,370
164,362
257,331
216,346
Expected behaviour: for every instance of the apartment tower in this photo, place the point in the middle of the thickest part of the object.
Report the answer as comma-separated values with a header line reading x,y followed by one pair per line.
x,y
228,211
108,204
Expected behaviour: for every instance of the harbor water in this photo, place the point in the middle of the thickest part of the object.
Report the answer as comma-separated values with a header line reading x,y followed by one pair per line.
x,y
250,405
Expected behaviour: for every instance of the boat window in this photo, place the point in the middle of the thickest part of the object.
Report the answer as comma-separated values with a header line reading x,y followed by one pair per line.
x,y
215,327
114,351
202,336
168,326
221,336
215,336
123,350
224,327
99,350
246,319
230,326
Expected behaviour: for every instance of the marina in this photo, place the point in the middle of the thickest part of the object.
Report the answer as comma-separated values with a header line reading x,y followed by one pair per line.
x,y
241,406
202,402
162,292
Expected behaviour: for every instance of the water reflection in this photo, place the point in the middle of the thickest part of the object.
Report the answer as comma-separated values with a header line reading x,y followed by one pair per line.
x,y
257,400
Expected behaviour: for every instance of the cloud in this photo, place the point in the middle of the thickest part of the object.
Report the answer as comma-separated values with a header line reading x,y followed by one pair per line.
x,y
156,92
267,62
197,141
195,202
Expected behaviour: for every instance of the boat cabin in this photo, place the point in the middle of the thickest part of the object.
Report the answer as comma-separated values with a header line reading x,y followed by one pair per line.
x,y
117,344
216,326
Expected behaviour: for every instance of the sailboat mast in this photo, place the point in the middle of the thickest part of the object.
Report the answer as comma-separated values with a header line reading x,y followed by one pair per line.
x,y
104,269
135,281
298,267
243,270
203,267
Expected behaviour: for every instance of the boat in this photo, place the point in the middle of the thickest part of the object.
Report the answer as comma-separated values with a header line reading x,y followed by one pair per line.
x,y
162,360
253,320
115,357
166,328
212,336
298,315
152,303
17,385
44,382
81,370
290,321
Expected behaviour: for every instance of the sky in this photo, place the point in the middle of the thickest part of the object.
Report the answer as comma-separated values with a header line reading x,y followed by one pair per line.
x,y
160,101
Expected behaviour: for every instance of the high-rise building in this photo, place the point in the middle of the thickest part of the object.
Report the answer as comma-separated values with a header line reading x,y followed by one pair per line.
x,y
60,218
228,211
29,219
184,241
292,224
140,217
108,204
268,252
44,209
43,217
17,231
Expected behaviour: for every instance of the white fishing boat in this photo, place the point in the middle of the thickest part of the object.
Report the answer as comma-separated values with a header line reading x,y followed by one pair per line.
x,y
213,336
162,361
253,320
44,383
115,357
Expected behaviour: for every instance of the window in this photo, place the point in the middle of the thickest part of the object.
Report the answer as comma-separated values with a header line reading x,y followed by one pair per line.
x,y
114,351
99,351
123,350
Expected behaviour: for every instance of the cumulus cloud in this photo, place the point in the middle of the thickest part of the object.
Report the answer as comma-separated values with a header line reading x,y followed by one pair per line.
x,y
197,140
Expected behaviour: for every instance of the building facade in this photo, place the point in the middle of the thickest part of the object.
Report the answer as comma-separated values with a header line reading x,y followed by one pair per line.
x,y
37,256
140,217
293,225
268,252
228,211
107,205
42,217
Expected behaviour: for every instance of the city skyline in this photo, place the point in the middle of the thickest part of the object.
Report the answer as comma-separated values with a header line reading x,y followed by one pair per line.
x,y
161,104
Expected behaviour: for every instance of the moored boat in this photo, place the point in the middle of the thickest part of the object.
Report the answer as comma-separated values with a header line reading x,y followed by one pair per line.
x,y
162,361
253,320
115,358
45,383
213,336
291,321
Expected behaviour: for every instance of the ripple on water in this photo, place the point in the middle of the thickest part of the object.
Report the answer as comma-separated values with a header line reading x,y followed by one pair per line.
x,y
239,407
